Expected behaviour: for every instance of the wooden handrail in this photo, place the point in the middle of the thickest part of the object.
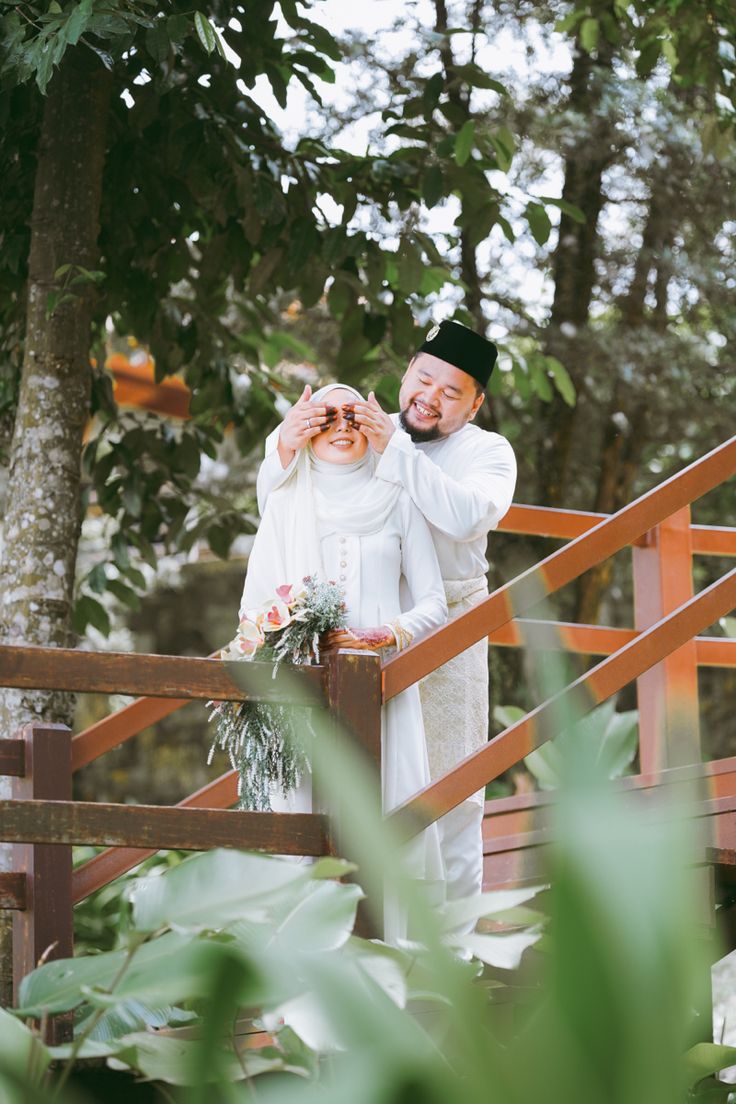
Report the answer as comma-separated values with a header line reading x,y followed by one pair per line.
x,y
561,567
598,684
155,676
59,822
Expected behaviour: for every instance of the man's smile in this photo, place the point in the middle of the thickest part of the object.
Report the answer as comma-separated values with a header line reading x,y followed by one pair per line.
x,y
424,412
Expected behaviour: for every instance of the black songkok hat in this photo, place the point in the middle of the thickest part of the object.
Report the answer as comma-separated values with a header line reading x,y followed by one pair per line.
x,y
462,347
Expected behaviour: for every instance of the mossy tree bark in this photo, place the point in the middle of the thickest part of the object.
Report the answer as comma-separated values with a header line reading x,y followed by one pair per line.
x,y
42,519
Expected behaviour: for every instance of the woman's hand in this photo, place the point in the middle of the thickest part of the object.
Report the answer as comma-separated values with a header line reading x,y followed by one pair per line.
x,y
369,640
304,421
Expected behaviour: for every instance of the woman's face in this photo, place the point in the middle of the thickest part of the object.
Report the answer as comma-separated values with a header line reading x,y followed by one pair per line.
x,y
341,442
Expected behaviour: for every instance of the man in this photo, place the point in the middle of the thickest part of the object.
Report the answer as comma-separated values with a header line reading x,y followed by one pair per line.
x,y
462,478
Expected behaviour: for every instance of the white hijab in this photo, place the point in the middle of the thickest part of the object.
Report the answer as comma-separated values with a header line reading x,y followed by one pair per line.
x,y
317,499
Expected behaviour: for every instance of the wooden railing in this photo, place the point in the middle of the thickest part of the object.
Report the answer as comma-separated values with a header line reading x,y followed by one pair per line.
x,y
43,822
662,652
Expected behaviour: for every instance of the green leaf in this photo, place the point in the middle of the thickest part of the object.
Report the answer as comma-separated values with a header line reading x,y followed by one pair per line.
x,y
77,22
179,1061
539,223
410,267
131,1015
539,380
481,224
457,912
61,271
167,970
21,1052
205,31
478,78
220,44
124,594
507,715
215,888
432,185
589,32
132,499
97,579
88,611
157,41
501,951
568,208
569,22
705,1059
464,142
504,135
322,918
562,380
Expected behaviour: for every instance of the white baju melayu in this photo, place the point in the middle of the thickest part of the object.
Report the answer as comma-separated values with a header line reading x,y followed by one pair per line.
x,y
463,485
337,521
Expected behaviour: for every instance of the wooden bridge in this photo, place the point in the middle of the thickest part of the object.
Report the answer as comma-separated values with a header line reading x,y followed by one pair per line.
x,y
661,652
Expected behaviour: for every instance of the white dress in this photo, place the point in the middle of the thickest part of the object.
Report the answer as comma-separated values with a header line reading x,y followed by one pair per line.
x,y
378,570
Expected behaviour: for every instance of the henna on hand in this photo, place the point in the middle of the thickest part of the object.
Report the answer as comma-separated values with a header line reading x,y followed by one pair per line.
x,y
380,637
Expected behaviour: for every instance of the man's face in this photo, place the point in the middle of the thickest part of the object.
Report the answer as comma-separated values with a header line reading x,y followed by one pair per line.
x,y
436,398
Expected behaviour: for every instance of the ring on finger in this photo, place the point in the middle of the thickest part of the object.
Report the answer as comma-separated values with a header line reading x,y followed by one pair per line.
x,y
309,423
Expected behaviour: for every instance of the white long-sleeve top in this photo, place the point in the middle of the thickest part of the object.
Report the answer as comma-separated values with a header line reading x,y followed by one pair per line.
x,y
463,485
386,571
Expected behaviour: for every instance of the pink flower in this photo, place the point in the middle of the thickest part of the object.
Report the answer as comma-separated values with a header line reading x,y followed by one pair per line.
x,y
284,593
277,617
247,647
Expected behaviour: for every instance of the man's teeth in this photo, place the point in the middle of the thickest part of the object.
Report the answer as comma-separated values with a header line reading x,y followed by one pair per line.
x,y
425,411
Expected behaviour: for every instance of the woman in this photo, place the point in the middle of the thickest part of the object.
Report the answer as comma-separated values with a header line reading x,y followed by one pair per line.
x,y
333,519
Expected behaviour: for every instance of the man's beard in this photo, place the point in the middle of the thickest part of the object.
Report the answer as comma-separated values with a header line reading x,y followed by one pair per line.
x,y
419,436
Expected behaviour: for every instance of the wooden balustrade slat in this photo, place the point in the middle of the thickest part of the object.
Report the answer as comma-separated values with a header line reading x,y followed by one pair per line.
x,y
108,865
598,684
564,565
122,725
550,521
153,826
713,540
32,667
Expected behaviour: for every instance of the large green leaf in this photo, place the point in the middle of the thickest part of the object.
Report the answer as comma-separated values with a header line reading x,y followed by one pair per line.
x,y
502,951
218,887
611,740
168,970
322,919
705,1059
466,909
21,1052
178,1061
131,1015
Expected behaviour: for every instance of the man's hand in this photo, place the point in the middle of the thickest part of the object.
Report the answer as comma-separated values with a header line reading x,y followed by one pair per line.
x,y
369,640
373,421
305,420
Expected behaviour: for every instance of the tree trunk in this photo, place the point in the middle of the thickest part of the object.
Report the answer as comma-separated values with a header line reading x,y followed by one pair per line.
x,y
42,517
624,438
574,259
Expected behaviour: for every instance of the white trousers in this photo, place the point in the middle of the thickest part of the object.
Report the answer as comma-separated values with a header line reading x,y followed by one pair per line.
x,y
461,843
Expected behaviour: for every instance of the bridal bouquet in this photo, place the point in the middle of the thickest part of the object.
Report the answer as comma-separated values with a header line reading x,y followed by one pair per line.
x,y
264,740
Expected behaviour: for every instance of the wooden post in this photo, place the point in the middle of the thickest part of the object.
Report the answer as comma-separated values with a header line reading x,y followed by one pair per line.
x,y
355,695
355,698
669,727
44,928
